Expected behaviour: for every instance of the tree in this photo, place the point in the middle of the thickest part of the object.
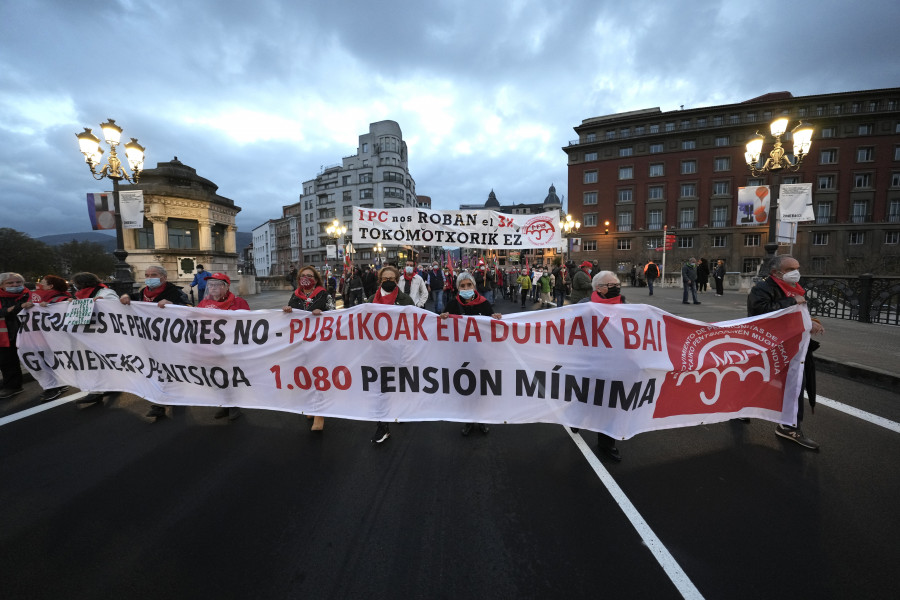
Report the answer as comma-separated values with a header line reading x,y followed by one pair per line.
x,y
76,256
20,253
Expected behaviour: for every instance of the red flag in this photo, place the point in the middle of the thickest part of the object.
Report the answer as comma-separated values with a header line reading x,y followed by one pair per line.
x,y
450,266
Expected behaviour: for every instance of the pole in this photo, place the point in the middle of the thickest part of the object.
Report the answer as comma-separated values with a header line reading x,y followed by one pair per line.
x,y
124,283
662,276
772,241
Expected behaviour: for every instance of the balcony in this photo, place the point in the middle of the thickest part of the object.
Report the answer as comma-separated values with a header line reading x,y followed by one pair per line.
x,y
655,226
719,223
623,227
687,224
825,220
860,218
893,218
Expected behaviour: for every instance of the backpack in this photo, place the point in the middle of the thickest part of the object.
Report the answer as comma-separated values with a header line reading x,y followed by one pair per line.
x,y
653,271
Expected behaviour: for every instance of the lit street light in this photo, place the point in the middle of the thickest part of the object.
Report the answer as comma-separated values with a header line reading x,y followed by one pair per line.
x,y
570,227
777,161
113,169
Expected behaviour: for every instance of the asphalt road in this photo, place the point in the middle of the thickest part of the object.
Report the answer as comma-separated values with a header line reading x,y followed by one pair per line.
x,y
97,502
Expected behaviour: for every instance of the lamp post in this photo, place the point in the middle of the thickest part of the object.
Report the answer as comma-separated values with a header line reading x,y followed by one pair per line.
x,y
777,162
113,169
336,231
379,250
570,227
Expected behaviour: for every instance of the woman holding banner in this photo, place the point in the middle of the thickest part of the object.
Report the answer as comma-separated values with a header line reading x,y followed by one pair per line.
x,y
50,289
13,295
468,302
311,296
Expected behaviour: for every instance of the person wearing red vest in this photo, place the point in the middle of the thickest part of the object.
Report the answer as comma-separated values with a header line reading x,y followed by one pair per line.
x,y
12,296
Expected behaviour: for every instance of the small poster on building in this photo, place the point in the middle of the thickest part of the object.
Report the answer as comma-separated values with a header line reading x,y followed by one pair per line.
x,y
753,205
795,203
131,203
101,211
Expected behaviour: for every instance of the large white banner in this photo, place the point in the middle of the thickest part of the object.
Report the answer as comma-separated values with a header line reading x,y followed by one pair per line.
x,y
795,203
131,203
455,228
618,369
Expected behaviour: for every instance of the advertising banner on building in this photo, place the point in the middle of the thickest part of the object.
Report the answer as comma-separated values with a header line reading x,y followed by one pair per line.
x,y
101,211
455,228
131,203
620,369
795,203
753,205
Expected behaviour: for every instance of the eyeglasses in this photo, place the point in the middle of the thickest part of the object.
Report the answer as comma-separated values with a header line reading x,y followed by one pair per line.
x,y
610,285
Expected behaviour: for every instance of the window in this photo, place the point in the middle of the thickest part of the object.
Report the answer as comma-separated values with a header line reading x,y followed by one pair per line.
x,y
625,132
686,218
864,129
589,156
623,221
589,245
857,238
590,176
654,242
366,195
686,124
590,198
895,180
828,156
819,265
685,241
751,117
626,172
862,180
654,128
626,195
345,180
754,181
855,106
591,137
365,177
892,237
623,244
821,238
719,241
655,192
365,147
656,148
789,179
894,212
723,140
348,211
865,154
859,212
347,196
720,216
723,163
897,152
751,265
751,239
734,119
670,126
217,233
688,190
688,144
828,132
657,170
823,213
827,182
701,121
590,219
626,151
639,130
721,188
688,167
144,236
655,219
183,234
611,134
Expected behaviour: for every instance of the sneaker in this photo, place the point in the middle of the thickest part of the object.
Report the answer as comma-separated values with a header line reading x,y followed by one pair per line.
x,y
382,432
156,411
221,413
467,428
696,302
10,392
795,434
53,393
484,428
613,453
234,413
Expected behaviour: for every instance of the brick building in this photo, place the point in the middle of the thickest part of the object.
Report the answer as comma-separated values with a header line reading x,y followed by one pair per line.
x,y
644,169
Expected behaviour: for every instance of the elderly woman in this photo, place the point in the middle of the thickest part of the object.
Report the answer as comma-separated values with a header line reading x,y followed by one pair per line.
x,y
470,303
311,295
388,292
606,288
12,296
50,289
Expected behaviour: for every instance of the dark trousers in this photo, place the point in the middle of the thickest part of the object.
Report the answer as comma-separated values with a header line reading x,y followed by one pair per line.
x,y
11,368
524,296
650,281
719,286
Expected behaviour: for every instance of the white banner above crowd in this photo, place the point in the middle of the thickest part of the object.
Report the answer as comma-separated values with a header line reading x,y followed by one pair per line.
x,y
455,228
620,369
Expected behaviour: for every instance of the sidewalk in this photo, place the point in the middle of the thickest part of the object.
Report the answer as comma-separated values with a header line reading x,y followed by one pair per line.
x,y
862,351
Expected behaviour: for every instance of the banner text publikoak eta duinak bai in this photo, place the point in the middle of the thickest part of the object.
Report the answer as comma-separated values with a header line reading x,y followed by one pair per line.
x,y
619,369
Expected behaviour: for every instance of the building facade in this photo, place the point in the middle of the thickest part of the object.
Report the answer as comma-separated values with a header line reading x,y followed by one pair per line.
x,y
377,176
646,169
186,222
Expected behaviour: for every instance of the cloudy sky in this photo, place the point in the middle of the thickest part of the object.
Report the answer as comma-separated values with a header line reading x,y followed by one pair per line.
x,y
258,95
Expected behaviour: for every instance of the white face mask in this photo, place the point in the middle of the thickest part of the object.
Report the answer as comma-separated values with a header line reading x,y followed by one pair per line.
x,y
792,276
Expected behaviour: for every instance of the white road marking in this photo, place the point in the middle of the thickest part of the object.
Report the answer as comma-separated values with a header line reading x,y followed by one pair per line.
x,y
859,414
660,552
41,408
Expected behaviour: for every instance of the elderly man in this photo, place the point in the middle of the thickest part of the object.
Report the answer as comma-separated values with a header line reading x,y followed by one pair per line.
x,y
158,290
606,288
12,296
781,289
412,284
689,280
581,282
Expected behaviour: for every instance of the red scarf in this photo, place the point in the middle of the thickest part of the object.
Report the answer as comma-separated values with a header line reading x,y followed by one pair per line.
x,y
150,296
476,299
382,298
307,297
595,297
224,304
787,288
88,292
49,296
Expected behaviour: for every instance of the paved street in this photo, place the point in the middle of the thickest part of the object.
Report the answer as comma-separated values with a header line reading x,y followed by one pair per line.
x,y
100,503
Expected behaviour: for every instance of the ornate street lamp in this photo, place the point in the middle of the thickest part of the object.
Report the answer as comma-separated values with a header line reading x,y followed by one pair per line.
x,y
570,227
114,170
379,251
336,231
777,162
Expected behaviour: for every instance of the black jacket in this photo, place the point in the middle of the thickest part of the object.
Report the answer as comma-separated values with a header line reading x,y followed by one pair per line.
x,y
172,293
455,307
319,301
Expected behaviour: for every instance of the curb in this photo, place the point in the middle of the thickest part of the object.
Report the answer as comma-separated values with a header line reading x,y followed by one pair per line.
x,y
857,372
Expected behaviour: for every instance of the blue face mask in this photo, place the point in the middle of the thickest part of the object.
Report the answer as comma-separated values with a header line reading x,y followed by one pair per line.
x,y
467,294
152,282
15,289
